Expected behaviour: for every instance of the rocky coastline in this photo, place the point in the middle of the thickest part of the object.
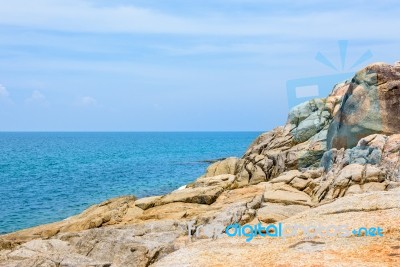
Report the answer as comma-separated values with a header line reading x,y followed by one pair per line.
x,y
335,161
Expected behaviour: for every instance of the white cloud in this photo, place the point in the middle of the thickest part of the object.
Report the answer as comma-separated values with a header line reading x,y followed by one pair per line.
x,y
84,16
255,48
5,96
87,101
3,92
75,15
36,96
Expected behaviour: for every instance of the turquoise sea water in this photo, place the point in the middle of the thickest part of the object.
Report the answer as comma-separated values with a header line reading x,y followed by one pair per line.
x,y
45,177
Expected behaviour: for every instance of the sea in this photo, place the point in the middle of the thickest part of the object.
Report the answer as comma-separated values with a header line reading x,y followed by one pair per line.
x,y
49,176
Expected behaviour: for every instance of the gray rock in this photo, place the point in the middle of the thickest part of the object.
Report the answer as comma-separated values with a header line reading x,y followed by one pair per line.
x,y
370,106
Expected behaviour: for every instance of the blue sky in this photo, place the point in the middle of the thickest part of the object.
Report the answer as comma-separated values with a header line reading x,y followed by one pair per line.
x,y
178,65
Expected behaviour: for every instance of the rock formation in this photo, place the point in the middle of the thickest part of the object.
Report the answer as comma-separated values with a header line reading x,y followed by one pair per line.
x,y
337,160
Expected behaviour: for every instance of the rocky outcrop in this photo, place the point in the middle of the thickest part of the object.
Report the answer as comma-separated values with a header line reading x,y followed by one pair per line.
x,y
374,164
367,104
365,210
370,105
337,160
110,212
297,145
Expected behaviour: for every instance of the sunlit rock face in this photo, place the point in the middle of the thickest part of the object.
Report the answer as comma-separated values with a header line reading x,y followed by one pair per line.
x,y
370,105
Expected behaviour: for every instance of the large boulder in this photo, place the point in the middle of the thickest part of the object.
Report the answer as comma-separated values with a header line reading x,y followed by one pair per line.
x,y
225,166
200,195
371,105
367,104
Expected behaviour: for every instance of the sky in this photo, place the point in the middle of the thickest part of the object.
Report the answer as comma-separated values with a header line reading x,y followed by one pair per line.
x,y
178,65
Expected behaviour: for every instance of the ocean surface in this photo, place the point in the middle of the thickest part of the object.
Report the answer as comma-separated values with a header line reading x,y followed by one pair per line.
x,y
46,177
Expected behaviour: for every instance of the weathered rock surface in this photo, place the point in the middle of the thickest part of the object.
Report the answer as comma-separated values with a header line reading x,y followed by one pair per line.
x,y
109,212
375,209
336,161
371,105
272,212
200,195
226,166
